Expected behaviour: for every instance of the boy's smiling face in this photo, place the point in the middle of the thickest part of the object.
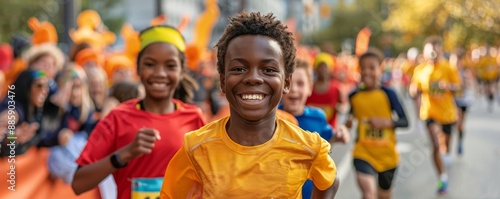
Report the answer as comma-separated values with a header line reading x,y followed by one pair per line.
x,y
254,79
370,72
301,88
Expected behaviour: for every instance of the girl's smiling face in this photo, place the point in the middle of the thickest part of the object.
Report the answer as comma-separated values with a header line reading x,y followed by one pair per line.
x,y
160,70
254,79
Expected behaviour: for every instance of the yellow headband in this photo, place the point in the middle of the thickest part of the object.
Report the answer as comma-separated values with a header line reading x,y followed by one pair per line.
x,y
162,34
323,58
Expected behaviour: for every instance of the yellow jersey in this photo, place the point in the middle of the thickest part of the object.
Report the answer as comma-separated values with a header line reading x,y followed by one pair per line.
x,y
436,103
488,68
211,165
376,146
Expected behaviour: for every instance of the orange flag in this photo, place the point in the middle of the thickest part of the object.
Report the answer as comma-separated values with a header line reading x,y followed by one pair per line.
x,y
158,20
196,51
184,23
363,40
205,23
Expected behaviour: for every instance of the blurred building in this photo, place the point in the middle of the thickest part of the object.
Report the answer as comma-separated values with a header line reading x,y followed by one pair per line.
x,y
310,15
139,13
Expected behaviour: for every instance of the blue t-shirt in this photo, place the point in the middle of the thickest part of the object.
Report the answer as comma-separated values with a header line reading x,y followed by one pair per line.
x,y
313,119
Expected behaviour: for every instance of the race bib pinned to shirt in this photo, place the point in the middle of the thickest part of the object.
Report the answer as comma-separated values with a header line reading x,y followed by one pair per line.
x,y
146,188
373,137
435,90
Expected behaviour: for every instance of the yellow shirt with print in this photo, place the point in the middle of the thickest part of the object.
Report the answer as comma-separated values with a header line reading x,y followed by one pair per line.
x,y
375,146
437,104
211,165
488,68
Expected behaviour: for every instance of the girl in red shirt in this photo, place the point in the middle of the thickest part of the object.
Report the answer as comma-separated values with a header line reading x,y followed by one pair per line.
x,y
137,139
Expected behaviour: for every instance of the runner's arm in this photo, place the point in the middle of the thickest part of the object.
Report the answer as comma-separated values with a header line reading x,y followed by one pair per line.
x,y
89,176
327,193
323,173
402,121
350,118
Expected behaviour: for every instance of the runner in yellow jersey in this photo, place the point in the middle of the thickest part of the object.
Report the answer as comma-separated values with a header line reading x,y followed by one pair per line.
x,y
436,81
488,71
375,154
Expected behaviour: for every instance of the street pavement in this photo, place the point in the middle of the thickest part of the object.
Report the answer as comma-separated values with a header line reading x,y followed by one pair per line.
x,y
474,175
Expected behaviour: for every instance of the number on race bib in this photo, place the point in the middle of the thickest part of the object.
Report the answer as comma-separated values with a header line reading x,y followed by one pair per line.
x,y
374,137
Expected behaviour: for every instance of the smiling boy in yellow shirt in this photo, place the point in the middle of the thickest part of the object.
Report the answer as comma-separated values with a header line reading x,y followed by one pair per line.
x,y
252,153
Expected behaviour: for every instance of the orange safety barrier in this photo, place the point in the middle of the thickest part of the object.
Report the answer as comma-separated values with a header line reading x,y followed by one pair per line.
x,y
32,179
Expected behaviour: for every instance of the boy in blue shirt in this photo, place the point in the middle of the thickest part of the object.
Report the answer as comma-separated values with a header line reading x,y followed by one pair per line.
x,y
310,118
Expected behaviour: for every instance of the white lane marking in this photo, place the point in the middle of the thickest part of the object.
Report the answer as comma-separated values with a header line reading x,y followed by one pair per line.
x,y
344,167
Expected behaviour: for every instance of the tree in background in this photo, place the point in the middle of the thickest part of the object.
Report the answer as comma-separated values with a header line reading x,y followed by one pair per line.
x,y
398,25
113,21
349,19
460,22
15,15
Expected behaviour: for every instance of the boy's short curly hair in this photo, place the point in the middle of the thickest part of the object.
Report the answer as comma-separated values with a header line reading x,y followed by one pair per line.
x,y
256,24
372,52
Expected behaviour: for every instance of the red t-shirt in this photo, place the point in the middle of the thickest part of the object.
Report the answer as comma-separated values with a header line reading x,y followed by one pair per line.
x,y
327,101
120,127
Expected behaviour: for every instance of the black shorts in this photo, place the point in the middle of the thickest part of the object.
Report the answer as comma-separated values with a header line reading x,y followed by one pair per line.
x,y
479,81
384,178
446,128
488,82
463,108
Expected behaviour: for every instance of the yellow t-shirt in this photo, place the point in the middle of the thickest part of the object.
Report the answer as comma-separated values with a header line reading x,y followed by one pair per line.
x,y
375,146
488,68
211,165
436,104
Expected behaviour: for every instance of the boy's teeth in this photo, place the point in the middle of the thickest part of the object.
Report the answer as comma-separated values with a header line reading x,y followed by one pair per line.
x,y
252,96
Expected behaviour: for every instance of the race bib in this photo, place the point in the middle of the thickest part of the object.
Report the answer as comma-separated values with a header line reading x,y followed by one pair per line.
x,y
373,137
146,188
434,89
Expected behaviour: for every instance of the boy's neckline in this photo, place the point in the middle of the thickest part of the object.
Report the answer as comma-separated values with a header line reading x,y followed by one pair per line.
x,y
371,89
249,149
